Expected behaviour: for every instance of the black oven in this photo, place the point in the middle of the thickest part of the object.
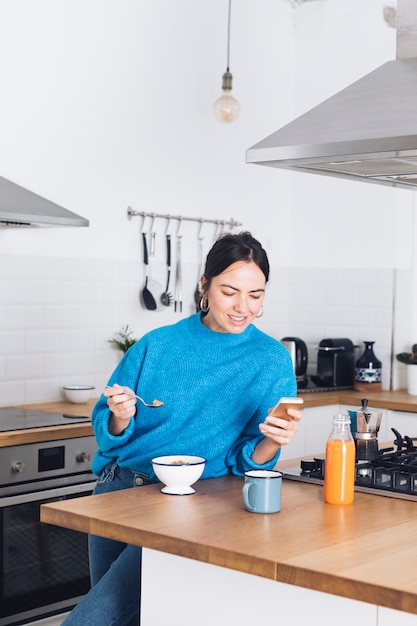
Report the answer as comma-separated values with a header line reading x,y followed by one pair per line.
x,y
44,568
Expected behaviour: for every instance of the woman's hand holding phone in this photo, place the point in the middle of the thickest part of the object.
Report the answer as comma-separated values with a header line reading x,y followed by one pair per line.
x,y
282,406
273,426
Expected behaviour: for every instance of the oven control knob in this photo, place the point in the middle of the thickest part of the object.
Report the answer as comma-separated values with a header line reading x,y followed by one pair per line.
x,y
84,457
18,467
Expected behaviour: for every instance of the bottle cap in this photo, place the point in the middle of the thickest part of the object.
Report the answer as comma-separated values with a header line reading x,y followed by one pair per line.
x,y
341,418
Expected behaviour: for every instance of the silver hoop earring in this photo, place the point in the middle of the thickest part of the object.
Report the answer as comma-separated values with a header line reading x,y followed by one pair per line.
x,y
261,313
204,305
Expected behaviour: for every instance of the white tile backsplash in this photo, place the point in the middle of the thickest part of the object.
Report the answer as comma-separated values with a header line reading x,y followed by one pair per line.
x,y
352,303
57,316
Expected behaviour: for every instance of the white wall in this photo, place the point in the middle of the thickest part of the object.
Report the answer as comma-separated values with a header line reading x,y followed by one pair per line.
x,y
108,104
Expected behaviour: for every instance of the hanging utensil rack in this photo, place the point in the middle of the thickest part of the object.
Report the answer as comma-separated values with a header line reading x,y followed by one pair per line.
x,y
232,223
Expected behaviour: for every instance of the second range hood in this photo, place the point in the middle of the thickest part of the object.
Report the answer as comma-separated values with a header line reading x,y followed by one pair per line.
x,y
367,131
20,207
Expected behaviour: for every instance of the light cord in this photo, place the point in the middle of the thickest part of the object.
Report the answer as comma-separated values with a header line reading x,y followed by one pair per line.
x,y
228,36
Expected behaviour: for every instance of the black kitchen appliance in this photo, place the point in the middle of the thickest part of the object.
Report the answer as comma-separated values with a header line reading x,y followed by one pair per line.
x,y
393,472
43,569
299,356
335,363
365,424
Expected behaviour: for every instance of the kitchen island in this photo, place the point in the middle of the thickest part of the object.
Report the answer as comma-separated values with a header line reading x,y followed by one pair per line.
x,y
204,549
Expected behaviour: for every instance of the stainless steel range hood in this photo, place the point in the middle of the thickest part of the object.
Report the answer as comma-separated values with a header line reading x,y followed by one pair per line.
x,y
20,207
366,132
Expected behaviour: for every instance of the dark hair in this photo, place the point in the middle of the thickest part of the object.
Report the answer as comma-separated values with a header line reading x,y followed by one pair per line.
x,y
229,249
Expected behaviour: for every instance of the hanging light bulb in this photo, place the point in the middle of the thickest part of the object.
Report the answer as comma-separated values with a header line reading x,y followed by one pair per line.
x,y
227,108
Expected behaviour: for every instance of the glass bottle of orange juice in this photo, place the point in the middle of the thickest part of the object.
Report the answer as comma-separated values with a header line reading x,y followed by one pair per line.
x,y
339,466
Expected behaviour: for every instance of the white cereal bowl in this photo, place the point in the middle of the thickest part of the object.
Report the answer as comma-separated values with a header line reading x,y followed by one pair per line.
x,y
178,472
78,394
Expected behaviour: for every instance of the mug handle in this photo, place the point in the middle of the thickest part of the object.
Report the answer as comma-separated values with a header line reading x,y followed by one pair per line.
x,y
245,493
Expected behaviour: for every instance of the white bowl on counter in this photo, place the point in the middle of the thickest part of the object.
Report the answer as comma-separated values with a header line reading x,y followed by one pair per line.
x,y
178,472
78,394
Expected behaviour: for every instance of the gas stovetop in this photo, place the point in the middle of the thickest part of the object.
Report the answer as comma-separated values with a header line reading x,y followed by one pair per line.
x,y
20,419
393,473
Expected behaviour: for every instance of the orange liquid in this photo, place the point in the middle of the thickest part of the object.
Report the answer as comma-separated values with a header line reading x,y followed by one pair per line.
x,y
339,472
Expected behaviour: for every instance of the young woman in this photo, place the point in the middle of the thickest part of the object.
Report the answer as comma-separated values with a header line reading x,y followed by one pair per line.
x,y
217,376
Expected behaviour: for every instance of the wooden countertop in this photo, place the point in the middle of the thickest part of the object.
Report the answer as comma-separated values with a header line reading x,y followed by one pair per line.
x,y
365,551
398,400
52,433
394,400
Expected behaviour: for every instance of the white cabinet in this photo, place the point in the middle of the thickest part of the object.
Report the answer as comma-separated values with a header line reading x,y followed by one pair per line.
x,y
313,432
182,592
405,423
389,617
318,424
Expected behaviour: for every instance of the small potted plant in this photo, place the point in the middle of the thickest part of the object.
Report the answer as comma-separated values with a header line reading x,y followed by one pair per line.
x,y
410,358
123,340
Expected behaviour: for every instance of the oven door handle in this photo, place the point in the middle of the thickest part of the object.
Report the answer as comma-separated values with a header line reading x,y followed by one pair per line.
x,y
47,494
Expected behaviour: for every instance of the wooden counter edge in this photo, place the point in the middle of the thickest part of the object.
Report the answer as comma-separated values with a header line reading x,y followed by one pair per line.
x,y
280,571
52,433
398,400
49,433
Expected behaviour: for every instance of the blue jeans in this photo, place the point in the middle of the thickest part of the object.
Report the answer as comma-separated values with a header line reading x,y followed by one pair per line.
x,y
115,567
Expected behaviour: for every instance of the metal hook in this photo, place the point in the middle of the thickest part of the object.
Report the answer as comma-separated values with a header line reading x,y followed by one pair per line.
x,y
152,222
168,218
199,235
142,226
179,226
216,230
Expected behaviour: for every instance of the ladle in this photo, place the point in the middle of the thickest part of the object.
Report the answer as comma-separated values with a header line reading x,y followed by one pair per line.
x,y
147,298
155,288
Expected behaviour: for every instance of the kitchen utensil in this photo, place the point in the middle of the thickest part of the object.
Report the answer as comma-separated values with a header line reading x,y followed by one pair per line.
x,y
147,298
365,419
200,269
155,288
365,424
178,276
166,297
154,405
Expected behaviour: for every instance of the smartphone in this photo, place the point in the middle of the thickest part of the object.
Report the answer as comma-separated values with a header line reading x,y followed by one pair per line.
x,y
280,409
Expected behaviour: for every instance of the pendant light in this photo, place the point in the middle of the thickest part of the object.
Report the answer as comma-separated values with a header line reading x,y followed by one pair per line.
x,y
226,108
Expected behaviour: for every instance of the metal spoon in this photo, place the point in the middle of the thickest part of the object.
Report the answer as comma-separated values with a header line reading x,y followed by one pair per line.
x,y
154,405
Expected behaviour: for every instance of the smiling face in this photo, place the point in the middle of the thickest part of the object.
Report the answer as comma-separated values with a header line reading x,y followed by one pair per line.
x,y
235,297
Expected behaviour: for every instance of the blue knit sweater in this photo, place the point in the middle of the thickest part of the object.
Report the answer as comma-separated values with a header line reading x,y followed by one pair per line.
x,y
216,389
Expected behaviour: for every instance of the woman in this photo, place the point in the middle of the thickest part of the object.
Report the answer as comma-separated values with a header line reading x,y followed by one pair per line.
x,y
217,376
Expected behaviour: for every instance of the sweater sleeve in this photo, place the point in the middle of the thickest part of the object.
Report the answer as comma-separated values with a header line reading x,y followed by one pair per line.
x,y
127,374
239,458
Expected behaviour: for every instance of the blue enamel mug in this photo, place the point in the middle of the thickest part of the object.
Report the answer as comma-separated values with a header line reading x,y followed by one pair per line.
x,y
262,491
